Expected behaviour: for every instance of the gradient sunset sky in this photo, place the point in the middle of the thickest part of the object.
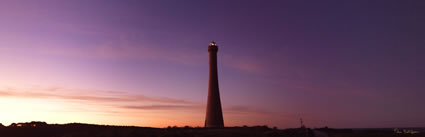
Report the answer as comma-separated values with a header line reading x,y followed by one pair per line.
x,y
332,63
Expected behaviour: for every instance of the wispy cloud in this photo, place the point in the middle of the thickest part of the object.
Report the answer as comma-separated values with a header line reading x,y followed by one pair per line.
x,y
129,49
245,64
245,109
117,99
123,48
96,96
234,109
162,107
113,106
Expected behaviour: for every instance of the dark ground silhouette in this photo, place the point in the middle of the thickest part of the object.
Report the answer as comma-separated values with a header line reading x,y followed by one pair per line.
x,y
42,129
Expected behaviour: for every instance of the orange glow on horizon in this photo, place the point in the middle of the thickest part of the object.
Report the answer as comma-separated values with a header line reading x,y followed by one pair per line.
x,y
70,106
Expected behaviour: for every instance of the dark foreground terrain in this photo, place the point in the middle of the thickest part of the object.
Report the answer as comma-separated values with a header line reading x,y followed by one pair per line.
x,y
41,129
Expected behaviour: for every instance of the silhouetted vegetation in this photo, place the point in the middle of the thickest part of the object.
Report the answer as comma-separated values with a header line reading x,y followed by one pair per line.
x,y
376,132
30,124
333,130
42,129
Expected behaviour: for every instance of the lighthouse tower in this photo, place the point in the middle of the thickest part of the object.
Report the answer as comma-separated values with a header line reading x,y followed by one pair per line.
x,y
214,116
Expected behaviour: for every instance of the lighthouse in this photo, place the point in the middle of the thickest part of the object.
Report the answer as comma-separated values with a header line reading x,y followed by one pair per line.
x,y
214,116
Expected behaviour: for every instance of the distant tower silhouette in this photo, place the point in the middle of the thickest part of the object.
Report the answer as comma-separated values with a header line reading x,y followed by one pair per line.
x,y
214,116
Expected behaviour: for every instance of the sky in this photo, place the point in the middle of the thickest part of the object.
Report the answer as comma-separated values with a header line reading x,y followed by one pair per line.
x,y
342,64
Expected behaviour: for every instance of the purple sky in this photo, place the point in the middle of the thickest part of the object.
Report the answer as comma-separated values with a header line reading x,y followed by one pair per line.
x,y
332,63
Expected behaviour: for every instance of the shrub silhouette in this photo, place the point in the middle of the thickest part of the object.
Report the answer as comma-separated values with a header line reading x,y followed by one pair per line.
x,y
42,129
